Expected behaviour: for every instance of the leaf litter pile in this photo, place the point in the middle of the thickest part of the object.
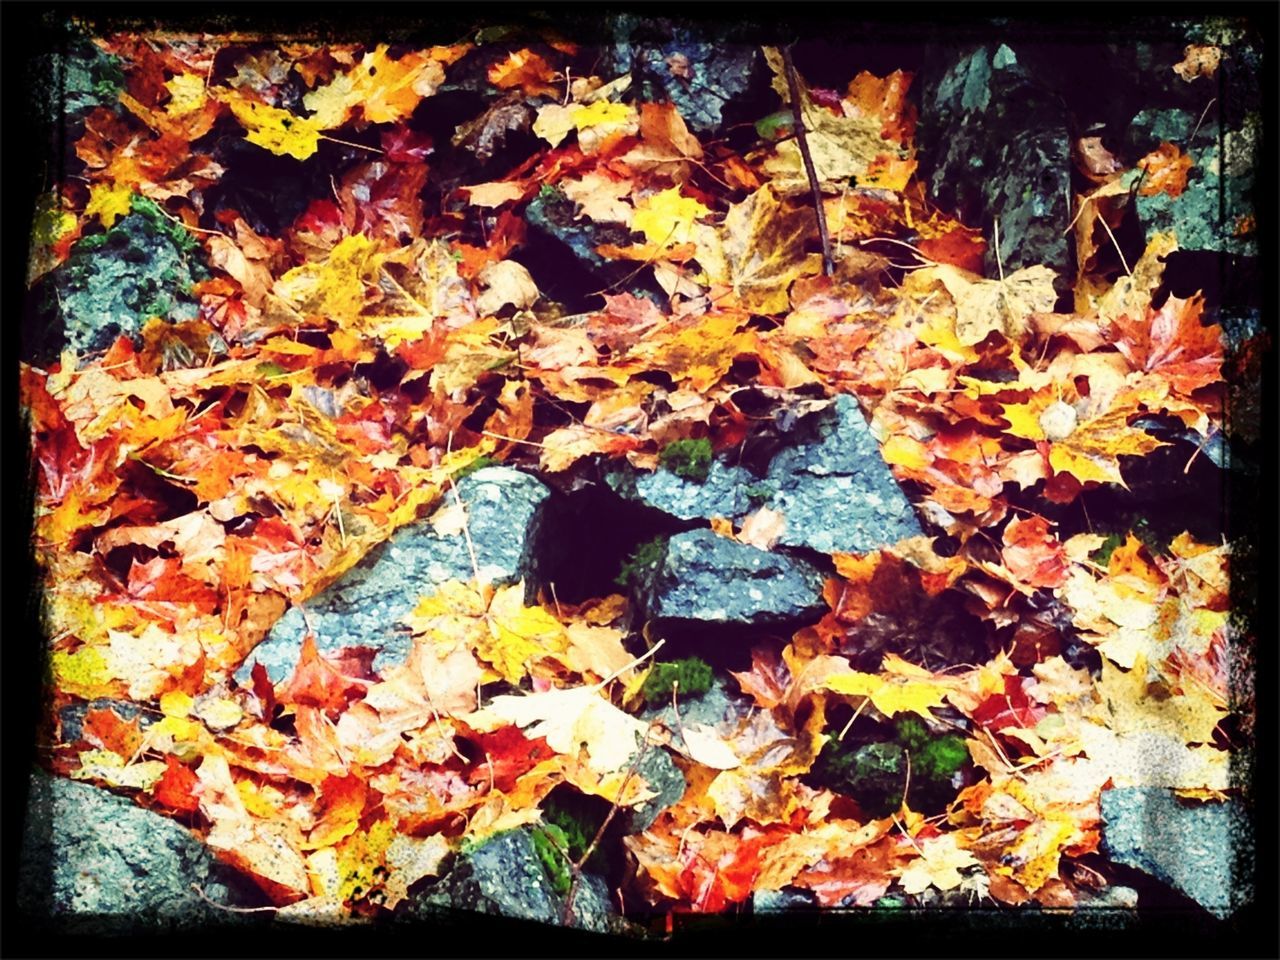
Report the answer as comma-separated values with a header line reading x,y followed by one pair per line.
x,y
190,491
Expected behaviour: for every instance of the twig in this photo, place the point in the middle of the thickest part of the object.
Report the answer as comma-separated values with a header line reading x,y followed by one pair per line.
x,y
1107,227
802,140
222,906
575,868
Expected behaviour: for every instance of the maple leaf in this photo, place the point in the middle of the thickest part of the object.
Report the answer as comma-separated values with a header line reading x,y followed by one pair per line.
x,y
939,864
317,682
902,687
1033,554
667,218
567,719
1166,171
1173,344
526,70
760,250
842,147
1001,306
176,787
600,197
276,130
267,850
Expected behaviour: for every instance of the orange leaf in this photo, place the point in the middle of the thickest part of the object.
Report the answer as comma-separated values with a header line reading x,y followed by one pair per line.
x,y
105,729
176,786
1166,168
1033,554
316,682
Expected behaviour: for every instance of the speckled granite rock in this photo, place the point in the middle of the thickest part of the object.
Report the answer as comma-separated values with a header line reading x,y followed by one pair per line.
x,y
504,510
713,579
95,862
832,486
1199,849
504,876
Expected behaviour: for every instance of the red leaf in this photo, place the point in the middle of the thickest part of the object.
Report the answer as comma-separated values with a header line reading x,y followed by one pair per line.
x,y
1013,708
1033,554
264,690
505,754
317,682
176,786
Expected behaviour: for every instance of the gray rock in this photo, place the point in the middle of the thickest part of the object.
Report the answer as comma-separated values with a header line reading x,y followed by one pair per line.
x,y
837,493
505,876
662,775
1218,196
716,580
114,282
994,143
1203,850
679,63
782,901
832,486
95,862
504,518
725,492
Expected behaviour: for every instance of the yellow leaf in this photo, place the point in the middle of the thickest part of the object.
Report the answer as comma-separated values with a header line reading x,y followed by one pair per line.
x,y
554,123
519,635
84,673
276,130
939,864
219,714
186,94
333,287
108,201
1136,707
842,147
386,90
601,113
115,770
760,250
666,218
903,451
175,703
892,693
1002,306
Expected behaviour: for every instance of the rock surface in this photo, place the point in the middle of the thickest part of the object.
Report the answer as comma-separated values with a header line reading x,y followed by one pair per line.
x,y
1211,212
1198,849
95,862
994,140
504,517
832,486
664,777
712,579
114,282
504,876
678,63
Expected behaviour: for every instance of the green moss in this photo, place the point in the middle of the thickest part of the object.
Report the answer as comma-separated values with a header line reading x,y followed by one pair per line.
x,y
693,675
690,459
875,773
645,558
759,493
545,839
479,463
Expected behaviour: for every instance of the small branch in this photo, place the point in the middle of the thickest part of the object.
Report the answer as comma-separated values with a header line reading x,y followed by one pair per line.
x,y
575,869
802,140
222,906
